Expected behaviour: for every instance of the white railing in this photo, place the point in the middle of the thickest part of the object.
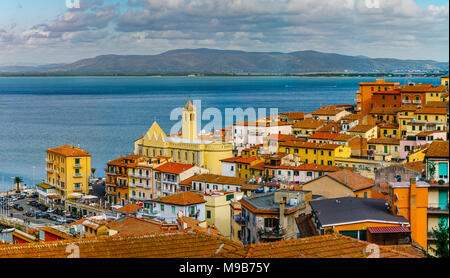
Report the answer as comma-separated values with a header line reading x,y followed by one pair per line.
x,y
50,170
406,101
77,175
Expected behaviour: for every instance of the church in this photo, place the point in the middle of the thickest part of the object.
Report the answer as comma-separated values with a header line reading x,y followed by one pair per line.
x,y
187,148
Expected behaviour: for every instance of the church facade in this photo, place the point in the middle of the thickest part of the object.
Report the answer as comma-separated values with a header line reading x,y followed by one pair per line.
x,y
187,148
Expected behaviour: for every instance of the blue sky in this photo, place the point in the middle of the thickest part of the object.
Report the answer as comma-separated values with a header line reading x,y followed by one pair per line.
x,y
46,31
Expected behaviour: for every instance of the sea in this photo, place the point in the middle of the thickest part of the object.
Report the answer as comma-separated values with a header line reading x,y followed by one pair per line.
x,y
105,115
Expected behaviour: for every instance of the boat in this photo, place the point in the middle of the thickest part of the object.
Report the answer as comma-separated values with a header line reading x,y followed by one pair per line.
x,y
7,230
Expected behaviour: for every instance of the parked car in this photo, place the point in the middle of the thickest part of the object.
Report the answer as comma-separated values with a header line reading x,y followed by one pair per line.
x,y
69,221
67,214
18,207
50,211
52,217
58,223
43,207
45,215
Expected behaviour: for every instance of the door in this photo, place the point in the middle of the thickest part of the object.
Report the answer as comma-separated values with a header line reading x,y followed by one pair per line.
x,y
443,199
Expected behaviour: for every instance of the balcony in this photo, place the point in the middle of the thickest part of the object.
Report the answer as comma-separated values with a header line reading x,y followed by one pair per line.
x,y
50,170
271,232
77,165
437,208
417,101
49,161
406,101
77,175
78,189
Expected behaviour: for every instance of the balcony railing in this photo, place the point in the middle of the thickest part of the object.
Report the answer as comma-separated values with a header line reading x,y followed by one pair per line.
x,y
240,220
77,165
438,208
77,175
271,232
48,160
78,189
406,101
50,170
417,101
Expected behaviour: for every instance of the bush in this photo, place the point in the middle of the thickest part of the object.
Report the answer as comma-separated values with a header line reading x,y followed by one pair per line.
x,y
441,182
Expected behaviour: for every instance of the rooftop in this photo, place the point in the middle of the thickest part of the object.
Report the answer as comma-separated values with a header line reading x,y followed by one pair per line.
x,y
352,179
438,149
361,128
173,168
348,210
182,199
218,179
69,151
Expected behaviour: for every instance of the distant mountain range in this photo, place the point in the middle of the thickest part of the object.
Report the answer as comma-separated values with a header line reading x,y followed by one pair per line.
x,y
211,61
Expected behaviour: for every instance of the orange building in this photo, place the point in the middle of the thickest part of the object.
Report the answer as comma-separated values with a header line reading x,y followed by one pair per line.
x,y
366,90
386,99
415,94
117,179
410,200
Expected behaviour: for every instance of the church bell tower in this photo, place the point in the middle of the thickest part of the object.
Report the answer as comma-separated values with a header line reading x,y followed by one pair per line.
x,y
189,129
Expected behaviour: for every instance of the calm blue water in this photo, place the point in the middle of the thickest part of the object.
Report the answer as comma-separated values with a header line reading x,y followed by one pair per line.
x,y
106,115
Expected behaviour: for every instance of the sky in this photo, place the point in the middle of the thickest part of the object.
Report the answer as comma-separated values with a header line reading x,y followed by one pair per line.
x,y
61,31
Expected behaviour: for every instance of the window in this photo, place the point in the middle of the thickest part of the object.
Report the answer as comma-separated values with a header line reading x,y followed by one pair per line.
x,y
229,197
173,209
162,207
208,214
309,174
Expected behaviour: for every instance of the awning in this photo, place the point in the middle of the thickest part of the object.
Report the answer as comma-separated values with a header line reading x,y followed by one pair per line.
x,y
53,197
90,197
388,230
76,195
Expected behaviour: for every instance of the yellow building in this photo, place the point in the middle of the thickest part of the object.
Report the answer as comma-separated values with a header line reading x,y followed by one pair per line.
x,y
187,148
235,223
364,131
217,209
434,94
404,116
384,149
306,127
418,153
428,118
68,170
242,164
388,130
317,153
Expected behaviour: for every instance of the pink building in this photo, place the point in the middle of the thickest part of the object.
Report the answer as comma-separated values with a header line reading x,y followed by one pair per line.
x,y
422,138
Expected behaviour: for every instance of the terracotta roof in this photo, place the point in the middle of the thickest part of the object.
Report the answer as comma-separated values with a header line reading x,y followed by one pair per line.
x,y
439,88
432,110
417,166
294,115
211,178
384,141
324,135
56,232
408,249
240,159
130,208
388,229
351,179
132,225
388,125
438,104
344,137
309,145
333,127
325,246
308,124
418,88
428,132
182,199
258,166
173,168
198,225
327,111
384,110
251,186
317,167
69,151
126,161
361,128
438,149
187,244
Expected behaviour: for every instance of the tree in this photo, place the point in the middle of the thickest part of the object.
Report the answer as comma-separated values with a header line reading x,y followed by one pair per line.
x,y
17,181
93,172
441,235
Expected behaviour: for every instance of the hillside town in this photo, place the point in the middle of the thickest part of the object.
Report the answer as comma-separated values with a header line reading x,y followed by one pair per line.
x,y
324,184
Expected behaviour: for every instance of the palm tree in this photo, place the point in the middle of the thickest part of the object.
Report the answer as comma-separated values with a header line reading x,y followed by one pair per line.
x,y
17,181
93,172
